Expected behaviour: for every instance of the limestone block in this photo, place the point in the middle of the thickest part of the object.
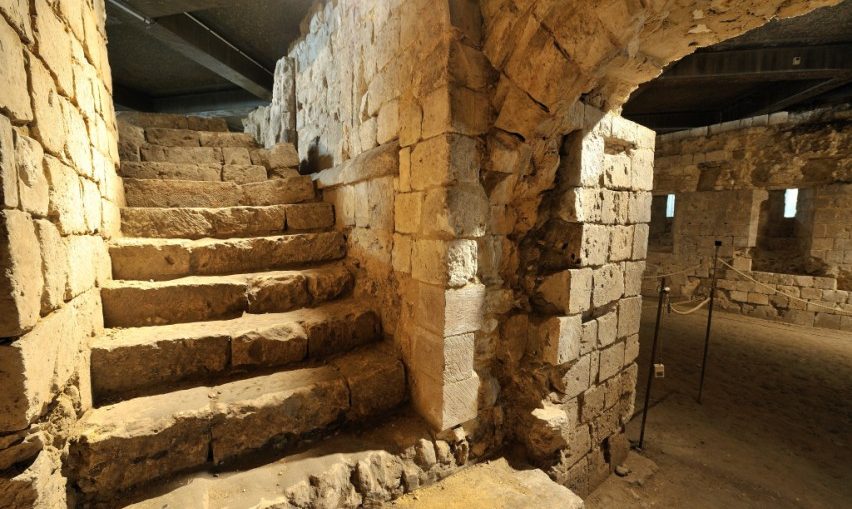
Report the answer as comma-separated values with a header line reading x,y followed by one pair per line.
x,y
41,484
629,316
444,262
457,211
410,121
633,273
639,207
387,127
15,98
631,349
236,155
83,252
54,45
453,109
582,164
611,361
184,155
507,154
446,359
66,206
172,171
569,291
445,405
381,202
368,134
227,139
407,212
32,182
574,379
18,14
49,126
621,244
282,155
640,241
607,328
242,174
642,169
54,262
172,137
595,244
450,312
404,170
519,114
401,255
91,205
559,339
8,165
310,216
617,171
589,337
580,205
21,280
444,160
376,382
77,142
362,204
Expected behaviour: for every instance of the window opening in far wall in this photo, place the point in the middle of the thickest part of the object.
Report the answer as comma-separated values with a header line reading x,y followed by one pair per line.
x,y
791,198
670,205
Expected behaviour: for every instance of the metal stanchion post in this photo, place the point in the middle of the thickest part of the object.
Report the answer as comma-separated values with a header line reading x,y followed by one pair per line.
x,y
663,292
709,319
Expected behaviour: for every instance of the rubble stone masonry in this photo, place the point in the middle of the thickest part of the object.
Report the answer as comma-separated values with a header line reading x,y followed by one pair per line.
x,y
60,196
729,181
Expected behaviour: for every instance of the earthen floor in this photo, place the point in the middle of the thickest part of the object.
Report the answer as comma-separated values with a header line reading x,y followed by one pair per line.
x,y
775,427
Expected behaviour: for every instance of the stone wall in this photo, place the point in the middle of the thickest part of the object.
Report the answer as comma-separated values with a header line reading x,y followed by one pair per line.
x,y
276,122
513,202
60,197
729,180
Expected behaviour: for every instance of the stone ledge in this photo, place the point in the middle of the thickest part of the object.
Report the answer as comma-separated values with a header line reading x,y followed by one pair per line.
x,y
377,162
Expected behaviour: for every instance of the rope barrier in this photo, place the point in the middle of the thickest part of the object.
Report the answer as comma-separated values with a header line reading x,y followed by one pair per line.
x,y
689,312
836,309
660,276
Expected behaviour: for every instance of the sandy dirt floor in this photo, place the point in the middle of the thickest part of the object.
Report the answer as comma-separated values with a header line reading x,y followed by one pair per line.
x,y
774,430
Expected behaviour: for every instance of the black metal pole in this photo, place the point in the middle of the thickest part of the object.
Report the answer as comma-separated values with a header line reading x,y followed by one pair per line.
x,y
663,291
718,244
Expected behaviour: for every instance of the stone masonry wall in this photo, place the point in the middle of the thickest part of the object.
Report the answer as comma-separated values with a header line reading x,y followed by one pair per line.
x,y
276,122
60,197
513,202
722,176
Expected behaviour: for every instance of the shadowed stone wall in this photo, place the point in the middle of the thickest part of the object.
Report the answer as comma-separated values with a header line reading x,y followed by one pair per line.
x,y
729,180
60,197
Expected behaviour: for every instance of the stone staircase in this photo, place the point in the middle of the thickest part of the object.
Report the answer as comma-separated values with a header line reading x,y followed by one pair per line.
x,y
230,329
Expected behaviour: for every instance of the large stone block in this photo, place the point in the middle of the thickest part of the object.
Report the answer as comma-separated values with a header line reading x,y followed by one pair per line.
x,y
442,262
13,80
559,339
444,160
446,359
445,405
49,127
54,45
608,284
570,291
574,379
629,316
32,182
65,205
457,211
407,212
54,264
8,166
21,279
450,312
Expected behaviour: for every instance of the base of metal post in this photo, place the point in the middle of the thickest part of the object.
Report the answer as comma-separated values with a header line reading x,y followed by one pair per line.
x,y
663,292
718,244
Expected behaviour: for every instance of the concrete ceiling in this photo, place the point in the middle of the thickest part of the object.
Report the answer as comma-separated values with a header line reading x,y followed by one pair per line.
x,y
797,63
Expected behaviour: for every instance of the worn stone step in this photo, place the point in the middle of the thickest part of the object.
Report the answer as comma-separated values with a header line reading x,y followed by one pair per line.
x,y
226,222
144,360
200,298
188,193
355,468
143,439
190,138
162,259
238,173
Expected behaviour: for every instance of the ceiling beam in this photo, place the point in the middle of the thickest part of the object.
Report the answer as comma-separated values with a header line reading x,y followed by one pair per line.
x,y
675,120
779,98
188,36
158,8
761,65
226,103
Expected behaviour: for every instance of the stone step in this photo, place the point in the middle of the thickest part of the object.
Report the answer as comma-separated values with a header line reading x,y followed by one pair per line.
x,y
190,138
162,259
226,222
209,172
201,298
189,193
172,121
137,361
357,468
143,439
